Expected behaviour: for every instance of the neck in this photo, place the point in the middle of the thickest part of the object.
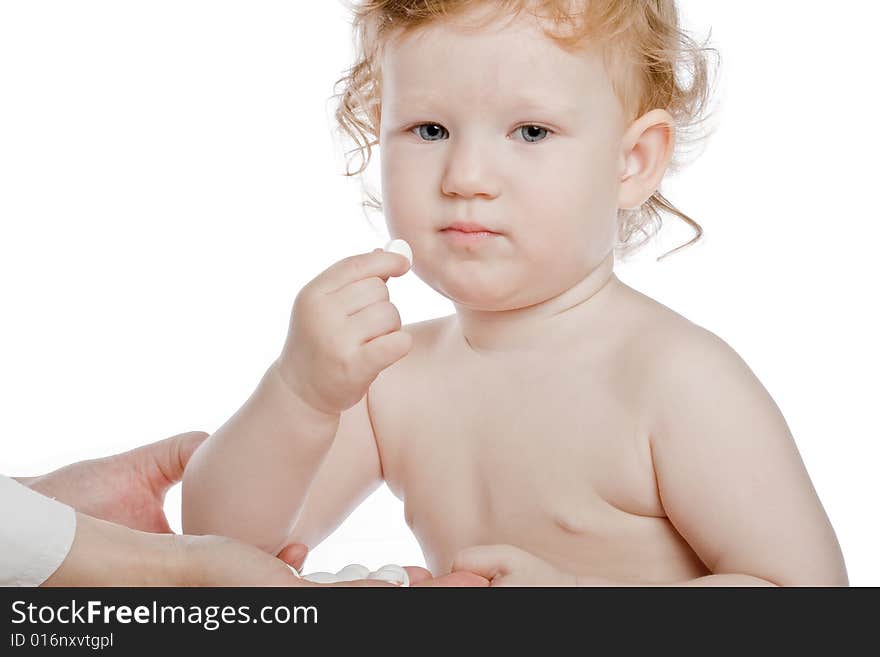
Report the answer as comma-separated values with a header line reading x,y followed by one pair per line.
x,y
526,329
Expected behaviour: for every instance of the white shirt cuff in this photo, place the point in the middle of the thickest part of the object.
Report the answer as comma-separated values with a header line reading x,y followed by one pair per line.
x,y
36,533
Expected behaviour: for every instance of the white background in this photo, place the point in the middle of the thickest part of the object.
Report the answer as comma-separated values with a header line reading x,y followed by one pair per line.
x,y
168,182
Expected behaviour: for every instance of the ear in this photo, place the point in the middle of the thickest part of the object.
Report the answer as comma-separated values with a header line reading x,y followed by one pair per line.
x,y
646,150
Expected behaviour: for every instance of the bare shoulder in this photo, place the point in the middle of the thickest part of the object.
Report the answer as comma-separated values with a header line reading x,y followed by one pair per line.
x,y
429,333
667,338
428,340
683,364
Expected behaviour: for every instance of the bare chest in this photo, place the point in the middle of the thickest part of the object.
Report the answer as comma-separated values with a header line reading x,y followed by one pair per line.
x,y
536,455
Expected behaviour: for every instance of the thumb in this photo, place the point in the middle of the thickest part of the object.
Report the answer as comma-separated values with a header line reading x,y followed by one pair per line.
x,y
164,461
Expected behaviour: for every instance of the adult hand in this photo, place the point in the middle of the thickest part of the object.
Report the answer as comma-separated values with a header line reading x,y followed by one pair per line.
x,y
107,554
218,561
127,489
459,579
295,554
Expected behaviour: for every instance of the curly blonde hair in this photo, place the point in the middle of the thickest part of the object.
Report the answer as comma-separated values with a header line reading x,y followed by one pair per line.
x,y
654,63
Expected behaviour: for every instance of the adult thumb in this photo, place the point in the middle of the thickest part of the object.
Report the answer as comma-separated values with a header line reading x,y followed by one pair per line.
x,y
166,460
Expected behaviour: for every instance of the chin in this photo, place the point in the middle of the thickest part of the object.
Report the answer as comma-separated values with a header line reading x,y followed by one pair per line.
x,y
476,289
478,298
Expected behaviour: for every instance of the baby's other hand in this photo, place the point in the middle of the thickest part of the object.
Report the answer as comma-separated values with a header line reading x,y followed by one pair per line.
x,y
344,331
506,565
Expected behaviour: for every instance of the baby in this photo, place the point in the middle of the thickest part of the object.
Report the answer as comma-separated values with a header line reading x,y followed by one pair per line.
x,y
560,428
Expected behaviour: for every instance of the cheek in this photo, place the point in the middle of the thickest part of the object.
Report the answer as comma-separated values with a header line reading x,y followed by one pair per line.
x,y
572,214
405,182
571,198
586,174
585,188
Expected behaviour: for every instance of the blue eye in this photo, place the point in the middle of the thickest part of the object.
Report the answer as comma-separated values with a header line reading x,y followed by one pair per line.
x,y
429,131
435,132
533,133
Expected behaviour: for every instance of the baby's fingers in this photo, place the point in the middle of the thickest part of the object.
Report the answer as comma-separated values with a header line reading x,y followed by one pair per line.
x,y
375,320
385,350
489,561
359,295
354,268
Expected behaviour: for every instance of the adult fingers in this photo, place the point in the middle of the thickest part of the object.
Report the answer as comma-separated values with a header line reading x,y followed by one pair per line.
x,y
417,574
359,583
164,461
294,555
455,579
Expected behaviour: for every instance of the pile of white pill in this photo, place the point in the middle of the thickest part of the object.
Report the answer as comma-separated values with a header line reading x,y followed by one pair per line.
x,y
355,571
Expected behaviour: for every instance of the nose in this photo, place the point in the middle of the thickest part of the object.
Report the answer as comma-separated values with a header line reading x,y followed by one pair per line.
x,y
470,173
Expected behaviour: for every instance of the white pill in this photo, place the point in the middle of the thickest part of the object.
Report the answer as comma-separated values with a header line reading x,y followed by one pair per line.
x,y
391,573
321,578
352,572
401,247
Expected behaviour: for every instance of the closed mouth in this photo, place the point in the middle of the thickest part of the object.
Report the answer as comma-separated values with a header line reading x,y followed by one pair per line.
x,y
468,227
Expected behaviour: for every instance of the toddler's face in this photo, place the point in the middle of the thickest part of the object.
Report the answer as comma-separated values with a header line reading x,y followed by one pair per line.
x,y
502,128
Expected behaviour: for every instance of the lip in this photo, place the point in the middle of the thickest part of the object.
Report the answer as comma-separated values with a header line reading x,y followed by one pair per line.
x,y
468,227
468,238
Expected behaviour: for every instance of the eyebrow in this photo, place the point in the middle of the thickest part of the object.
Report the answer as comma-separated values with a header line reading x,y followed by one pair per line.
x,y
519,103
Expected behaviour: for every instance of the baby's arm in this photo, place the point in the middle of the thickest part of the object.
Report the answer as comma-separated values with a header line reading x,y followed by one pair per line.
x,y
250,479
351,471
730,477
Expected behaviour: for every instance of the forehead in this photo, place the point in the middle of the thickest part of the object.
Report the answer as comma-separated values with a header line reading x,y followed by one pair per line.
x,y
505,59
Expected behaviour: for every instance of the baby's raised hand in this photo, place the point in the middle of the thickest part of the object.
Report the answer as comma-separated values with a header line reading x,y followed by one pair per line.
x,y
344,331
505,565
